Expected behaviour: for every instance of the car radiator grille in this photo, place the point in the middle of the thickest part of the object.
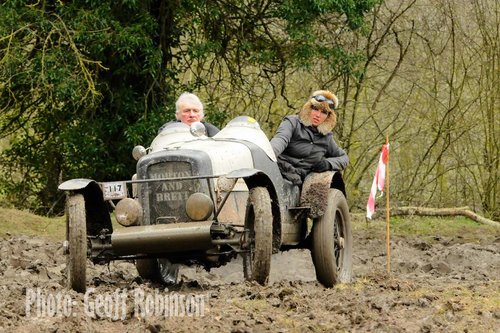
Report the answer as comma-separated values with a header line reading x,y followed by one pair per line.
x,y
167,199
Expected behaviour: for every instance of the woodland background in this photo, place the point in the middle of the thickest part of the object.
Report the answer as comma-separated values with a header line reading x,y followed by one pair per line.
x,y
82,82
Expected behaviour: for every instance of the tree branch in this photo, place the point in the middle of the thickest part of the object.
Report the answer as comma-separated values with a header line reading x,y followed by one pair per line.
x,y
454,211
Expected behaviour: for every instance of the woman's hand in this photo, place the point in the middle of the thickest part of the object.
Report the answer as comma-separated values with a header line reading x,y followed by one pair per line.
x,y
321,166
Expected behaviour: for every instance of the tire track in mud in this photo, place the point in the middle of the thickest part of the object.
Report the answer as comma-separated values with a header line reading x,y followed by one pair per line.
x,y
436,285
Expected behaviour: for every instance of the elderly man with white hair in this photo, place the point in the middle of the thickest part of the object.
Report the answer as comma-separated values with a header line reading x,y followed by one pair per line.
x,y
189,109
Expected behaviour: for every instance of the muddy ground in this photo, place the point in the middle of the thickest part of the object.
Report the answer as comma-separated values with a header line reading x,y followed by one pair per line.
x,y
436,284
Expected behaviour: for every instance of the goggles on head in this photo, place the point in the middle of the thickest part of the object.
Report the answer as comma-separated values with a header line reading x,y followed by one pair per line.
x,y
321,98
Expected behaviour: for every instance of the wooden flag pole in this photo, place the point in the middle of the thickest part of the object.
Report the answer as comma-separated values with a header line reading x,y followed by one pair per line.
x,y
387,209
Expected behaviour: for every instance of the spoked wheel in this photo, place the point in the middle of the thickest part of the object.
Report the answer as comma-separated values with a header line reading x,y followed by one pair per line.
x,y
259,236
77,243
332,242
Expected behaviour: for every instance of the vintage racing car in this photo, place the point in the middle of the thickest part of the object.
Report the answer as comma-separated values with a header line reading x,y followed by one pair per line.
x,y
205,200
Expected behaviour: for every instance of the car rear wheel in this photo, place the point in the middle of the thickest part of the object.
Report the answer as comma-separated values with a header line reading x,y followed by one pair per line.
x,y
159,270
332,242
147,268
258,236
77,243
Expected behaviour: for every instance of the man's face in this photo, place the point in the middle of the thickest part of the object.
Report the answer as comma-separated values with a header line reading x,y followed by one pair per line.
x,y
189,113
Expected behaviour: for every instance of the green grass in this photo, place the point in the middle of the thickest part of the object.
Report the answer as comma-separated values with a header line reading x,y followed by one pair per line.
x,y
16,222
431,227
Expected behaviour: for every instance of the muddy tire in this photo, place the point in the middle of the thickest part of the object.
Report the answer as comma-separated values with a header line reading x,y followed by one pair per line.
x,y
77,243
259,223
332,242
168,272
147,268
158,270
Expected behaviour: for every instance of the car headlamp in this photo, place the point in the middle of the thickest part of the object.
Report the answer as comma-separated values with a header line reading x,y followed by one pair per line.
x,y
199,207
128,212
138,152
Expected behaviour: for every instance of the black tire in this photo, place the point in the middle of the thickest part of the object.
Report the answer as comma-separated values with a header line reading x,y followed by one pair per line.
x,y
147,268
259,223
158,270
168,272
77,243
332,242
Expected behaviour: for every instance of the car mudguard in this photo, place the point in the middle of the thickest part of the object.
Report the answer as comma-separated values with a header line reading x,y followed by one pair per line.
x,y
315,190
74,184
96,210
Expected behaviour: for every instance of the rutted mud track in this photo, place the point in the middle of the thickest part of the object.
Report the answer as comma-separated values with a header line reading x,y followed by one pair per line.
x,y
437,284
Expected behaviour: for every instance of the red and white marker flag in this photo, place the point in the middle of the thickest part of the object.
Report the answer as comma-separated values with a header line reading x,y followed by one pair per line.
x,y
378,181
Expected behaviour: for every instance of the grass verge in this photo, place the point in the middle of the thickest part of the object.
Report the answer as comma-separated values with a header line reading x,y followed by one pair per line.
x,y
15,222
431,227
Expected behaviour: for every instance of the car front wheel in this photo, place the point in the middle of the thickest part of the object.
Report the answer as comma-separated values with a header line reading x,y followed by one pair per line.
x,y
77,243
258,236
332,242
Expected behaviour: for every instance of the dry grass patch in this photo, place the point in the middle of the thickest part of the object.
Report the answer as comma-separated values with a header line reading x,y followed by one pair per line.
x,y
15,222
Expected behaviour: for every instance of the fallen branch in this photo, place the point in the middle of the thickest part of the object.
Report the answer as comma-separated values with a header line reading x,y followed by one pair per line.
x,y
464,211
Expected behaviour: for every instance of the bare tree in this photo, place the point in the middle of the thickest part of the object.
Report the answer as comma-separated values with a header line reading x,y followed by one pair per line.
x,y
427,75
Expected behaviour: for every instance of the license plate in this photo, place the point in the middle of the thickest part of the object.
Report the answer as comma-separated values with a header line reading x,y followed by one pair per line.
x,y
114,190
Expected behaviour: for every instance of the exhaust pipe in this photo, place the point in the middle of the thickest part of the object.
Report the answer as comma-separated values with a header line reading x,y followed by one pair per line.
x,y
162,238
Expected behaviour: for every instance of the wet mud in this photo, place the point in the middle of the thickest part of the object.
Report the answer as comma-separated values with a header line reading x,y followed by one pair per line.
x,y
435,284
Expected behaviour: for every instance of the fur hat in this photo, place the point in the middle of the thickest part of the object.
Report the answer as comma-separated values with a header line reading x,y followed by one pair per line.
x,y
329,124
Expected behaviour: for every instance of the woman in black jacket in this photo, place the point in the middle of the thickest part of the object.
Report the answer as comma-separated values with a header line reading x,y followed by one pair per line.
x,y
304,143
